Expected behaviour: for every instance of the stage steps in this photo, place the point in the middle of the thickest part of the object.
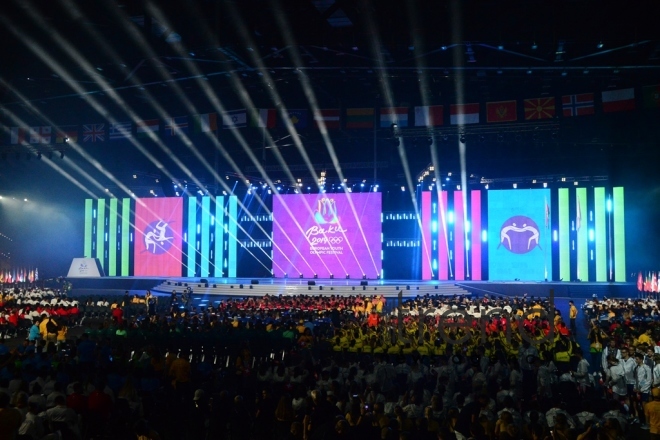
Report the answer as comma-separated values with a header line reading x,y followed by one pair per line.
x,y
302,288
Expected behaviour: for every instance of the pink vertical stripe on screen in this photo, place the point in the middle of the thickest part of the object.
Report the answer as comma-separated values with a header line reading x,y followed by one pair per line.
x,y
459,237
475,240
427,270
443,260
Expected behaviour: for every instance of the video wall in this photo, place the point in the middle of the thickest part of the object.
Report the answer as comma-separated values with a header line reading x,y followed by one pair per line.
x,y
518,234
327,235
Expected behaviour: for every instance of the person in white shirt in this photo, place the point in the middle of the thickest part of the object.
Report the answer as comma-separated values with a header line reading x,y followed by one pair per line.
x,y
629,365
643,381
656,371
582,372
616,378
608,351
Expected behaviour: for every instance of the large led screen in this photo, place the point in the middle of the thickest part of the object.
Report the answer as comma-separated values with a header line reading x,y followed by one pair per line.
x,y
519,242
158,225
327,234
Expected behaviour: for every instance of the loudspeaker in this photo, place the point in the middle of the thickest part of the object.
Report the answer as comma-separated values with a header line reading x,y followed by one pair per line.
x,y
215,286
250,286
320,287
240,286
206,284
364,283
254,282
311,283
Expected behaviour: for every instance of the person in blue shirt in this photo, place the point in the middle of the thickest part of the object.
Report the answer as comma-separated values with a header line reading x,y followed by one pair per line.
x,y
34,334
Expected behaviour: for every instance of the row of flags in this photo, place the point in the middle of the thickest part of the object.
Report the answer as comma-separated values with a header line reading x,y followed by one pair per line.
x,y
533,109
19,275
648,282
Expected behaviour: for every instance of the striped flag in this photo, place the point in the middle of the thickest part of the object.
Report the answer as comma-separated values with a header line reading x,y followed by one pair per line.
x,y
120,130
539,108
360,118
619,100
143,128
429,116
17,135
40,134
176,126
234,119
205,122
501,111
393,115
67,134
464,114
265,117
577,105
331,117
93,133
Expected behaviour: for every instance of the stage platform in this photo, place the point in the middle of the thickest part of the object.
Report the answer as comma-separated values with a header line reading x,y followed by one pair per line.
x,y
242,287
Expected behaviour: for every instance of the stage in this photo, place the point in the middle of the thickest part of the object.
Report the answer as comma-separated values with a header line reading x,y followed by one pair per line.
x,y
241,287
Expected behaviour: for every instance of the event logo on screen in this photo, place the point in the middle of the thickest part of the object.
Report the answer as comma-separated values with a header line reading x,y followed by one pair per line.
x,y
158,237
519,234
324,240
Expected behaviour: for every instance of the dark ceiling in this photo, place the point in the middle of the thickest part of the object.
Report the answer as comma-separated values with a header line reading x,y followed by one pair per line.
x,y
71,62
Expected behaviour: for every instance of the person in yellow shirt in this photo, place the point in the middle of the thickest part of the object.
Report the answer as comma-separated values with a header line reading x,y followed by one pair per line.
x,y
572,314
645,338
652,413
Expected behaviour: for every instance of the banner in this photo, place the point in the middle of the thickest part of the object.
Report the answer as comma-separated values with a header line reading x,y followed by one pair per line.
x,y
519,246
158,241
320,234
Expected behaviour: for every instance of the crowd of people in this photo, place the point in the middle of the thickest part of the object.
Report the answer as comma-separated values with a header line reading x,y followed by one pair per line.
x,y
325,367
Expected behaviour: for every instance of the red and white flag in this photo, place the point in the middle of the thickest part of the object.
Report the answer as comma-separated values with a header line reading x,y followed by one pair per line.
x,y
429,116
331,117
17,135
619,100
464,114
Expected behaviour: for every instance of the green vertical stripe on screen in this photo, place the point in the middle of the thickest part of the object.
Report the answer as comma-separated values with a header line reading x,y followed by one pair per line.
x,y
112,239
206,235
600,234
89,218
619,236
218,236
233,211
564,236
125,236
192,235
582,241
100,232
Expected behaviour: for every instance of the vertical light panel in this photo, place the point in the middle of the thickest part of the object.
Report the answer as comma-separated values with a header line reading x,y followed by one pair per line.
x,y
600,234
443,244
475,233
619,236
100,232
582,239
125,236
233,238
218,236
87,251
564,236
427,271
459,236
112,239
206,236
191,236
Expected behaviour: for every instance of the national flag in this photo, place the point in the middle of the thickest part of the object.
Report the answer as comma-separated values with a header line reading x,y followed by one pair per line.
x,y
331,117
298,118
460,114
429,116
176,125
619,100
205,122
640,281
577,105
40,134
93,133
143,128
651,96
120,130
647,283
501,111
67,134
234,119
17,135
539,108
360,118
654,282
265,117
393,115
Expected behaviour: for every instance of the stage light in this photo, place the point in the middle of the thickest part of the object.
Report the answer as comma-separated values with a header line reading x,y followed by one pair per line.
x,y
575,183
362,185
591,235
462,139
555,235
564,73
486,186
458,187
301,276
545,184
315,276
25,200
450,217
529,72
286,275
348,277
443,47
364,277
500,47
515,185
534,46
600,45
332,277
609,205
484,236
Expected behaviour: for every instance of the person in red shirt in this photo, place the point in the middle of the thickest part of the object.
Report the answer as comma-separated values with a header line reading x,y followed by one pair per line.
x,y
99,405
77,400
117,314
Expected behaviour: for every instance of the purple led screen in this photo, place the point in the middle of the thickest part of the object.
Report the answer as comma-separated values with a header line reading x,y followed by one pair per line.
x,y
321,234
